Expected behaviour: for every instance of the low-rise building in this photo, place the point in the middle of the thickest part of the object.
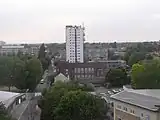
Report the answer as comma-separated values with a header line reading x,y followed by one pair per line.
x,y
137,105
96,54
61,77
11,49
91,72
11,100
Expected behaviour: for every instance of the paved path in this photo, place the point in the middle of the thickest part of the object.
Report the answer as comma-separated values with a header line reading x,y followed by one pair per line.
x,y
27,110
30,113
20,109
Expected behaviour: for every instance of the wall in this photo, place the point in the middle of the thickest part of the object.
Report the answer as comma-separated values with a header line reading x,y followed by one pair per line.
x,y
137,112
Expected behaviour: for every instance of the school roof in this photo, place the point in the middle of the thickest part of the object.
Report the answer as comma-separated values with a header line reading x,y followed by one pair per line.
x,y
147,100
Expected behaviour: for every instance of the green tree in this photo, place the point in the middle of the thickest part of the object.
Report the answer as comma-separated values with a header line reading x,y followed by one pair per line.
x,y
145,75
136,57
79,105
148,57
45,61
30,75
3,112
7,70
51,102
117,77
42,53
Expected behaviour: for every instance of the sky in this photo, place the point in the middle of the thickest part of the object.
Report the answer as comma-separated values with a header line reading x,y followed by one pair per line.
x,y
37,21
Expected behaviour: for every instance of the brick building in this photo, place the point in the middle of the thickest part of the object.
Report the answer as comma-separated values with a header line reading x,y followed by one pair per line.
x,y
93,72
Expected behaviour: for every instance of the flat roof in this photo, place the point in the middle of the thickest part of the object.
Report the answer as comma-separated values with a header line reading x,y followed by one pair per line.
x,y
138,99
7,97
12,46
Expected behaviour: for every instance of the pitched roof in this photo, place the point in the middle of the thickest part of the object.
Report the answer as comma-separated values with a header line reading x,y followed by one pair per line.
x,y
146,101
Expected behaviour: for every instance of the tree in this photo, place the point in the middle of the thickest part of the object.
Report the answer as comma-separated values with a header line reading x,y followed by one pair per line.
x,y
3,112
42,53
136,57
7,68
113,45
148,57
117,77
78,105
21,74
145,75
45,61
55,98
30,75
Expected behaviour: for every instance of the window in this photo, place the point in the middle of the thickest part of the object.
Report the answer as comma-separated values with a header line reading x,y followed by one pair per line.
x,y
125,108
82,70
86,70
75,70
86,76
132,111
141,114
82,76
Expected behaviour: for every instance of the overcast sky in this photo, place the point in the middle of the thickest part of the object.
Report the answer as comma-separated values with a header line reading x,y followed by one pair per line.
x,y
29,21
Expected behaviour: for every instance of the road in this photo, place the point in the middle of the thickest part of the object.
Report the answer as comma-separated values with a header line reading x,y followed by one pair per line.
x,y
31,112
40,87
27,110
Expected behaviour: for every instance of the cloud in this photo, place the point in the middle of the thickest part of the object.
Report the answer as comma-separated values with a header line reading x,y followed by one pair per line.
x,y
105,20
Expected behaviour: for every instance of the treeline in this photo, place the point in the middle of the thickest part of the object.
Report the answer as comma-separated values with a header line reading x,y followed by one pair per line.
x,y
140,51
23,72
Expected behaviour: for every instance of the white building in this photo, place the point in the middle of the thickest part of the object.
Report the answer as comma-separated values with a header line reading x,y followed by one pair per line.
x,y
75,44
11,49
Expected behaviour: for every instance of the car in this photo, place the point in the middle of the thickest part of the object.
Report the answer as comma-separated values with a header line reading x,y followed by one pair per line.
x,y
42,81
104,94
111,93
115,91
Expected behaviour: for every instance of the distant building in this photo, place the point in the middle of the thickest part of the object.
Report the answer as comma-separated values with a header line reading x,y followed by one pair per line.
x,y
34,50
91,72
74,44
137,105
2,43
11,49
96,54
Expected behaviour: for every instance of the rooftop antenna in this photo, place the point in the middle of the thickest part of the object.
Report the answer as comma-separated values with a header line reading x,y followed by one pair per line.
x,y
83,26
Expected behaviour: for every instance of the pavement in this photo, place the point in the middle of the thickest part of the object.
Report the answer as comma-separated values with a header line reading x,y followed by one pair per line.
x,y
19,110
30,112
27,110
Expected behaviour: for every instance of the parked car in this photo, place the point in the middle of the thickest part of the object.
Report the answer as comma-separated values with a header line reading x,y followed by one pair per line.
x,y
42,81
